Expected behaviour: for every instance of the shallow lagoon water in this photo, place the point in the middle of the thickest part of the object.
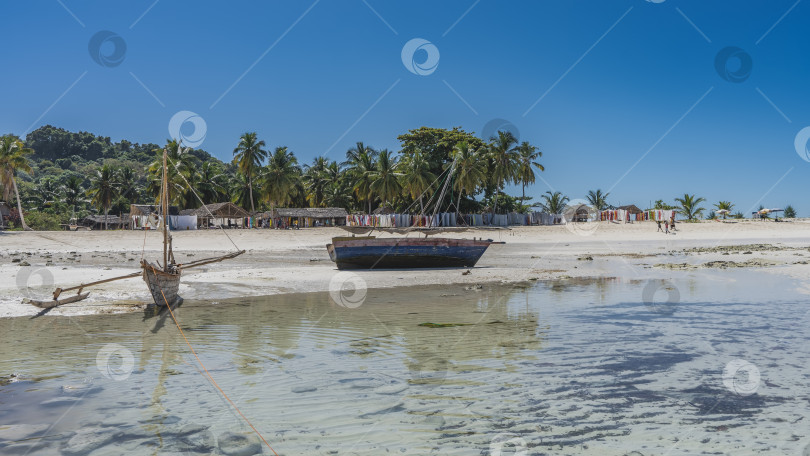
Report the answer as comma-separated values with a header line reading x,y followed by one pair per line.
x,y
711,363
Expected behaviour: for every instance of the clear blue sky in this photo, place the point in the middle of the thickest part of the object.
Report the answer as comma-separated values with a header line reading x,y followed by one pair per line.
x,y
615,80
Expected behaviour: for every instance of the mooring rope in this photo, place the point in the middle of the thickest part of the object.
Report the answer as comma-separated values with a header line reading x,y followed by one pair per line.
x,y
154,273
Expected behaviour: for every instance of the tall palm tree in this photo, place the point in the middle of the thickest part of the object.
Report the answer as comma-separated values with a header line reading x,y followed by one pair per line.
x,y
504,156
211,187
12,159
554,203
316,180
73,190
527,161
249,156
598,199
103,190
416,177
470,169
178,163
128,183
385,179
724,205
362,164
689,206
280,177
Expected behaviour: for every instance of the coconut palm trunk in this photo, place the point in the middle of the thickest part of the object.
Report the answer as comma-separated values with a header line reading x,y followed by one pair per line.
x,y
250,191
19,205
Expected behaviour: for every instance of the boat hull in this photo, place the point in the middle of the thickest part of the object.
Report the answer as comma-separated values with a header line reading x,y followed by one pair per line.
x,y
163,286
406,253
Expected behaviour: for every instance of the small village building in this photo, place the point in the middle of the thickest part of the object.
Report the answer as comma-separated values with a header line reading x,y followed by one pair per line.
x,y
305,217
148,216
5,213
98,222
578,213
225,215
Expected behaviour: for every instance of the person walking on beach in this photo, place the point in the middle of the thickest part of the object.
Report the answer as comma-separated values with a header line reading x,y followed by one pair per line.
x,y
666,227
659,226
672,224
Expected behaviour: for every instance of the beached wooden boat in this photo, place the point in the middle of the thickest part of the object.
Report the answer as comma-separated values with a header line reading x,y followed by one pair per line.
x,y
395,253
163,282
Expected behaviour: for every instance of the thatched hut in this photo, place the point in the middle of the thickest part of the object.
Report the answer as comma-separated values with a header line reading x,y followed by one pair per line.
x,y
98,222
578,213
631,208
225,215
309,216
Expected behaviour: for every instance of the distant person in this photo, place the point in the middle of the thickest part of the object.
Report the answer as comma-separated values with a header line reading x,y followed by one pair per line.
x,y
672,224
666,227
659,225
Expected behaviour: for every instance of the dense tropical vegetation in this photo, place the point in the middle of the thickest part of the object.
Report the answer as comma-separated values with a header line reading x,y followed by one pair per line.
x,y
54,175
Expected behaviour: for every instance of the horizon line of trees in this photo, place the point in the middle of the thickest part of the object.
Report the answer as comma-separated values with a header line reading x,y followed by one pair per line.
x,y
80,173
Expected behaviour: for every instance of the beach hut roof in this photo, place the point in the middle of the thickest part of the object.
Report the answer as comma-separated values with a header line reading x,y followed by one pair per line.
x,y
188,212
578,209
221,210
147,209
311,212
631,208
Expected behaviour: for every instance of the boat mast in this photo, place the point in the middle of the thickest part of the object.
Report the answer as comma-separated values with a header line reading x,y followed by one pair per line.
x,y
165,203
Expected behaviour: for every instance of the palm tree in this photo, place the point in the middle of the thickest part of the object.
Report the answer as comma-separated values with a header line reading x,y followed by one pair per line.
x,y
790,212
12,159
280,177
554,203
504,156
210,186
362,165
470,169
527,161
73,190
249,157
598,199
178,164
385,179
689,206
316,180
724,205
103,190
416,177
128,185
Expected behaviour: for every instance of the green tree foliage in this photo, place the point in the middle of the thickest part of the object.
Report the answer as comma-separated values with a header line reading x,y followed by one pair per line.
x,y
790,212
597,199
690,206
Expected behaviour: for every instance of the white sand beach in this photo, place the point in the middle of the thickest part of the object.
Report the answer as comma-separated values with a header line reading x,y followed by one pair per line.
x,y
288,261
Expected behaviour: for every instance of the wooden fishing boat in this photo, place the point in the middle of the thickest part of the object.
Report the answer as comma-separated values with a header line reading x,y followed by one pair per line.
x,y
163,282
395,253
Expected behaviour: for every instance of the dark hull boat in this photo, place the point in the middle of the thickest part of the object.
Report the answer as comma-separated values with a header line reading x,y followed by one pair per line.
x,y
402,253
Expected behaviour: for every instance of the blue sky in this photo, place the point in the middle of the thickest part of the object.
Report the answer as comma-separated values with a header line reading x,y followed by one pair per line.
x,y
619,95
